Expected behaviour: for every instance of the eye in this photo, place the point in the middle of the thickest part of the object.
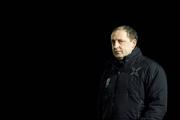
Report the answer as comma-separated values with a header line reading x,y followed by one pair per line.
x,y
120,41
113,41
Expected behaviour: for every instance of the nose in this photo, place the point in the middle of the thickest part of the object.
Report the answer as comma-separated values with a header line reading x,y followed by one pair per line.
x,y
116,45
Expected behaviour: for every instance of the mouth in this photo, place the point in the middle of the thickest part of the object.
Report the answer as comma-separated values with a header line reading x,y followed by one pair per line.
x,y
117,51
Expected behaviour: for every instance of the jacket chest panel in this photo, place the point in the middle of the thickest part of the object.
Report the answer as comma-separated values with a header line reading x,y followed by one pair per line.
x,y
123,83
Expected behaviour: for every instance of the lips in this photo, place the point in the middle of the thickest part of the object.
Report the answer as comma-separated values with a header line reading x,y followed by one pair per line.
x,y
117,51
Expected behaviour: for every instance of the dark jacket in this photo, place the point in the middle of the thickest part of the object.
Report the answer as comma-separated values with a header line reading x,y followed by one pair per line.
x,y
133,89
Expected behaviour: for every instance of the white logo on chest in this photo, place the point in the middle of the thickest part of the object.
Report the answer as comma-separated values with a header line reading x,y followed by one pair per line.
x,y
107,82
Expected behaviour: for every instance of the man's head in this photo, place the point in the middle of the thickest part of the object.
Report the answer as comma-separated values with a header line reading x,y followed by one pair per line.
x,y
123,40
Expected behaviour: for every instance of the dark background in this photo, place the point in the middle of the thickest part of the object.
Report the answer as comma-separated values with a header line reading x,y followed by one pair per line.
x,y
61,50
87,46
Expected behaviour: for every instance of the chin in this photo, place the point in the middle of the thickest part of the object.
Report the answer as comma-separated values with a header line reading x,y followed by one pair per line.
x,y
119,56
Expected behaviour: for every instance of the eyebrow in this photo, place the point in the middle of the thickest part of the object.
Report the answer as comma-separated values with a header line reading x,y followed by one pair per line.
x,y
117,40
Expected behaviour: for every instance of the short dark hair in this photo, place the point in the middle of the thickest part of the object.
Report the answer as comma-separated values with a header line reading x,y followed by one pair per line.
x,y
130,31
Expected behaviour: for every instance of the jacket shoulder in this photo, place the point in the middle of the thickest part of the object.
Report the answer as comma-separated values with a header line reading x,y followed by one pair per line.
x,y
153,68
150,63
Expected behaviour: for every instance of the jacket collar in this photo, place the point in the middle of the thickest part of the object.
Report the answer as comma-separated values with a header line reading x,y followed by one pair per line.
x,y
135,53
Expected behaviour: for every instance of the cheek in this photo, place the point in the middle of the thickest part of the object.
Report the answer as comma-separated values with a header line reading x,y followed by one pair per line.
x,y
129,48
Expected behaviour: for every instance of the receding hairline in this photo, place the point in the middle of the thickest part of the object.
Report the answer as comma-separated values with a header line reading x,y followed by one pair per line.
x,y
119,28
131,32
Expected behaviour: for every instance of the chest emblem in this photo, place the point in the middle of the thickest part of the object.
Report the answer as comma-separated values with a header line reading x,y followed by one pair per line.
x,y
135,71
107,82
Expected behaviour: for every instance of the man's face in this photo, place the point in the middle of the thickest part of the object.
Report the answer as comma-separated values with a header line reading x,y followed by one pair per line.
x,y
122,45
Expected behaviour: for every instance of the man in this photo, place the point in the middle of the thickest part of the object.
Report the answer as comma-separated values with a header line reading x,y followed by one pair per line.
x,y
133,87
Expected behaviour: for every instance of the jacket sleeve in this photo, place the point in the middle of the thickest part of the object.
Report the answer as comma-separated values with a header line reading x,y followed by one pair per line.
x,y
156,93
100,89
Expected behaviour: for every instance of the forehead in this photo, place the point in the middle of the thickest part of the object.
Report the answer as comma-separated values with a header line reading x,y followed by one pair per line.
x,y
119,34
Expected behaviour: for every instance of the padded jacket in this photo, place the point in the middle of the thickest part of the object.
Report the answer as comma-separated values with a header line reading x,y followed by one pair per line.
x,y
133,89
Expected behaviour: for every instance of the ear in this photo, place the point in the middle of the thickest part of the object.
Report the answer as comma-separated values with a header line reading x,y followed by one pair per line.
x,y
134,42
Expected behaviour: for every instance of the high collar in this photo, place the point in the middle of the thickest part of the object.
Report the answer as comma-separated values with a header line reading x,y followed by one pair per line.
x,y
135,53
